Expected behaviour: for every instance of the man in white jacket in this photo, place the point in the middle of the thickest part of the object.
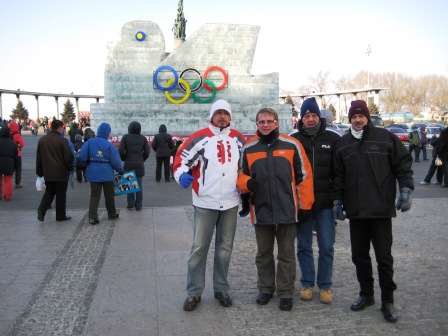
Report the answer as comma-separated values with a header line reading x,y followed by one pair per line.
x,y
208,161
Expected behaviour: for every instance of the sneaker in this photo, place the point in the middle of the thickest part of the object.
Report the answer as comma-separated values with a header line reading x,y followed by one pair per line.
x,y
437,182
93,221
325,296
306,294
424,183
191,302
285,304
224,299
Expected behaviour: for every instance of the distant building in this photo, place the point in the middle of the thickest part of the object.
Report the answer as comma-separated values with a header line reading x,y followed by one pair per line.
x,y
398,117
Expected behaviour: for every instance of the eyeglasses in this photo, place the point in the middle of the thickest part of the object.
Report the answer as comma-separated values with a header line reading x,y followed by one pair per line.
x,y
269,122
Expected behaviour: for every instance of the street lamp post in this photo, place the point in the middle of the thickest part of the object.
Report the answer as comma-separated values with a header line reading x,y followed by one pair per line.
x,y
368,52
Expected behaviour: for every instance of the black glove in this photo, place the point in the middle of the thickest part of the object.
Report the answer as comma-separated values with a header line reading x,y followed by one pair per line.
x,y
338,212
404,200
245,205
252,184
304,215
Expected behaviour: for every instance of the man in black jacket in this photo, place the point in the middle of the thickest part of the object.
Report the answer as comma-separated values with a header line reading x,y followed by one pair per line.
x,y
54,161
368,163
442,152
134,150
319,145
162,145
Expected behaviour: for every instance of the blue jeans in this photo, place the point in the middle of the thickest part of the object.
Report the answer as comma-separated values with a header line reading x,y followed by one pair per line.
x,y
325,240
136,198
205,222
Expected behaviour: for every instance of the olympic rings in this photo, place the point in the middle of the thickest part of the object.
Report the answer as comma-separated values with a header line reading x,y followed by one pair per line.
x,y
182,87
178,80
208,100
224,82
177,101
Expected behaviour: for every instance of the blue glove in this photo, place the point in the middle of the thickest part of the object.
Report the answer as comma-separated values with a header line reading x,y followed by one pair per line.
x,y
404,200
185,180
338,212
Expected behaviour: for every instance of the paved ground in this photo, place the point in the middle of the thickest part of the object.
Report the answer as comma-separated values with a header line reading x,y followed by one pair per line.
x,y
127,277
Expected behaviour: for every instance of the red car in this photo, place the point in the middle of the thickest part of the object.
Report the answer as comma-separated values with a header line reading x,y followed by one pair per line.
x,y
400,133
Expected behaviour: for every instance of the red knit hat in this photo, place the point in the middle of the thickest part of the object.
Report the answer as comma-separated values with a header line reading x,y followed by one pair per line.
x,y
358,107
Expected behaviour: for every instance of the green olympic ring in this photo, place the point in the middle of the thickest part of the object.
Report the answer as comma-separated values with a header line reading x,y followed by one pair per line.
x,y
204,101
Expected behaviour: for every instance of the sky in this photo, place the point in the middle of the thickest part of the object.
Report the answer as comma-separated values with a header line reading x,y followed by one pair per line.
x,y
61,46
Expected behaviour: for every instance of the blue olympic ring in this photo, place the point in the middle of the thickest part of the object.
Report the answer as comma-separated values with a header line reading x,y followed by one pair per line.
x,y
176,78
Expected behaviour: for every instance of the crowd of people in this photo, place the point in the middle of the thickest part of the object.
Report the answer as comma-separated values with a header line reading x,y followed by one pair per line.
x,y
291,185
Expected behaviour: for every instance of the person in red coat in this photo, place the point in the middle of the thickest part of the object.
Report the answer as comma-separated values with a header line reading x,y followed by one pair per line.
x,y
14,129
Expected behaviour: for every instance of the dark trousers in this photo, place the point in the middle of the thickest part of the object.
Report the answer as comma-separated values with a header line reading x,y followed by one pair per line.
x,y
79,173
432,169
286,259
166,168
52,189
416,150
95,196
18,171
379,232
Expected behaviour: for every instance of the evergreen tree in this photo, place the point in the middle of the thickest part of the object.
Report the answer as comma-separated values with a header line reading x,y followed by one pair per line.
x,y
333,111
373,109
20,113
69,112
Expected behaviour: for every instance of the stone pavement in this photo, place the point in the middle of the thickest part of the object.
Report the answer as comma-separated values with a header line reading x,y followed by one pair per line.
x,y
128,276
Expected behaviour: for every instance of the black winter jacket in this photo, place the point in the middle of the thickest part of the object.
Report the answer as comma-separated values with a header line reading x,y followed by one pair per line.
x,y
367,171
134,149
54,158
320,152
162,143
8,153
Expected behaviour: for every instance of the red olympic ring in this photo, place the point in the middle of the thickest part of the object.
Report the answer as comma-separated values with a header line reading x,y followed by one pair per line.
x,y
224,74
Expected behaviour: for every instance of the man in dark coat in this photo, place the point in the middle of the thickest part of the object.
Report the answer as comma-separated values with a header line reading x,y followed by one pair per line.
x,y
134,150
162,145
319,144
74,130
8,161
369,161
54,161
442,153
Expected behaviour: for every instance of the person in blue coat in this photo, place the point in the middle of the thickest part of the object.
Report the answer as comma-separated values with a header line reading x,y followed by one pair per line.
x,y
102,159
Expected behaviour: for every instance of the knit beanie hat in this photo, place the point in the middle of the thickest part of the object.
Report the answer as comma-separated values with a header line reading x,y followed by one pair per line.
x,y
309,106
220,105
358,107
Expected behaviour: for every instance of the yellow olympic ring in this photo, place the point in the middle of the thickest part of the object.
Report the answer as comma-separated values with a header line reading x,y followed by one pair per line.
x,y
187,93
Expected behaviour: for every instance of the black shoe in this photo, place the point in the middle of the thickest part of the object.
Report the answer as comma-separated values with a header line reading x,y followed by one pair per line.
x,y
263,298
114,216
388,310
285,304
138,209
191,302
130,206
64,219
224,299
40,216
362,302
93,221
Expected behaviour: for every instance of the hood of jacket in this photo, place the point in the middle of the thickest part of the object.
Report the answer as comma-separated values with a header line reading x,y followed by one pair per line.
x,y
4,132
103,131
13,127
135,127
162,128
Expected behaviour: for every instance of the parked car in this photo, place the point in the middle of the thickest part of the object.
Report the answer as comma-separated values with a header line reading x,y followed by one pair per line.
x,y
425,125
344,128
430,131
403,126
436,125
400,133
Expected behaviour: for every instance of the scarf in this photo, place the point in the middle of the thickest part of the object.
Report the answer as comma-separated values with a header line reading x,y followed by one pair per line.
x,y
312,131
357,135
